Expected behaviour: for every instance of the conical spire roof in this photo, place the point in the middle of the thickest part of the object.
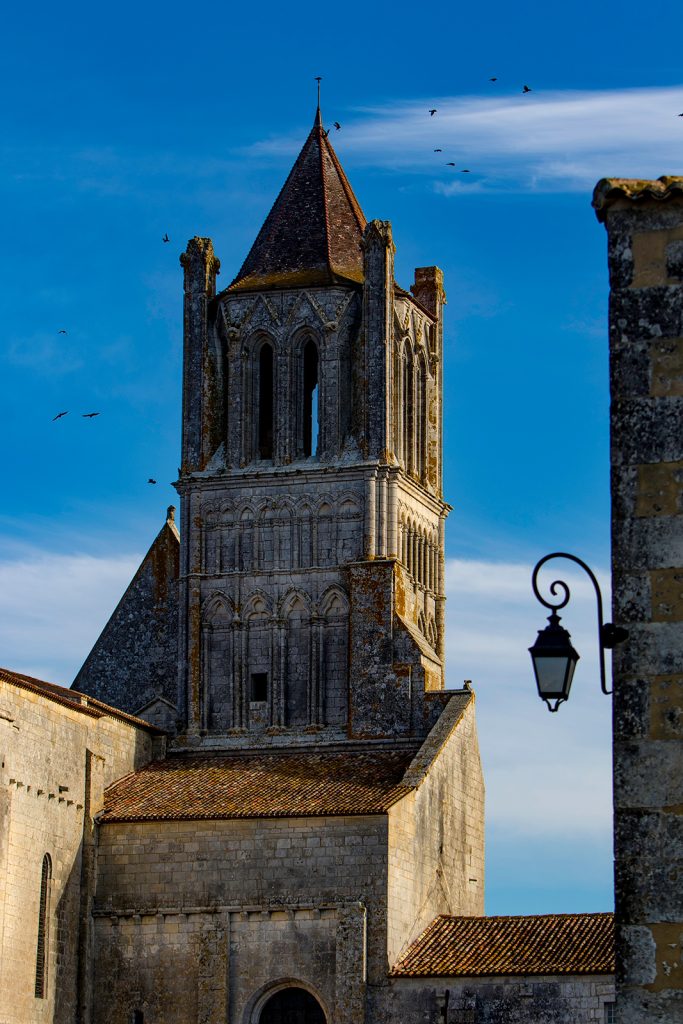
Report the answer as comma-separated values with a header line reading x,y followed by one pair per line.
x,y
312,235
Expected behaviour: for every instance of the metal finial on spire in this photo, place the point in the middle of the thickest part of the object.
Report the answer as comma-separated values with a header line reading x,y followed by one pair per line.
x,y
318,119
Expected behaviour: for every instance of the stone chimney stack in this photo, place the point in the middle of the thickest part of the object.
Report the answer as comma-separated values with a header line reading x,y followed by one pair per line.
x,y
644,221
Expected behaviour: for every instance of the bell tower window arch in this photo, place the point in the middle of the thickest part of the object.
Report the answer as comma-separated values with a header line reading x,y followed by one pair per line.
x,y
310,396
264,400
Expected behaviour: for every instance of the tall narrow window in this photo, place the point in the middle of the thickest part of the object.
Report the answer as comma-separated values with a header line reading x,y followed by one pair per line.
x,y
43,921
265,402
310,396
408,412
421,417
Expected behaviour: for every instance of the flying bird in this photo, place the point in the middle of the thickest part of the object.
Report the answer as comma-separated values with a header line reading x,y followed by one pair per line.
x,y
62,331
150,481
337,125
432,112
680,115
59,415
166,238
438,151
465,170
89,415
527,89
493,79
449,164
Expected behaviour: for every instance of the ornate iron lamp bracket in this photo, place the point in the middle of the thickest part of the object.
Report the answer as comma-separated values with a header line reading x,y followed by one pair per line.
x,y
609,635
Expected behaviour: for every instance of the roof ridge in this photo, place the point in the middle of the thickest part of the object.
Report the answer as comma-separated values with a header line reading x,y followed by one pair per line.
x,y
322,139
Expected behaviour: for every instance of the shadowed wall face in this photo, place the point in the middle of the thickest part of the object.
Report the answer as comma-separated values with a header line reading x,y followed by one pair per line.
x,y
644,221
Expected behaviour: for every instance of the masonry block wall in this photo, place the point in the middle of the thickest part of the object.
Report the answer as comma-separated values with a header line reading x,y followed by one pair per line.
x,y
56,762
644,221
436,833
242,903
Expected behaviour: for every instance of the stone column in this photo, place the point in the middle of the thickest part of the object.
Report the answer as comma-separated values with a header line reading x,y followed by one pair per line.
x,y
378,300
370,513
644,221
201,417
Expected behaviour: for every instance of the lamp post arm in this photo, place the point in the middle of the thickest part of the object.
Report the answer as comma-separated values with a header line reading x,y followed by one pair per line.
x,y
608,634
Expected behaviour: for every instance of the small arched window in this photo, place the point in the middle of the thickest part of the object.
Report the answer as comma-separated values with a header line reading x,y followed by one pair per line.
x,y
311,393
265,402
43,930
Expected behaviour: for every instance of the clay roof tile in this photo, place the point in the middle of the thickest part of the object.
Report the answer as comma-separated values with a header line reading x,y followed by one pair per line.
x,y
534,944
313,233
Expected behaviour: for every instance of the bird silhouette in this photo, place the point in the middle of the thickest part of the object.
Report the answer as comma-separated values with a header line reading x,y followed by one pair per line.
x,y
527,89
59,415
680,115
150,481
432,112
166,238
493,79
465,170
438,151
89,415
62,331
337,125
449,164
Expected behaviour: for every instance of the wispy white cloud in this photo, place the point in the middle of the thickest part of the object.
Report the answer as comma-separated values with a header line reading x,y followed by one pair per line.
x,y
544,141
53,607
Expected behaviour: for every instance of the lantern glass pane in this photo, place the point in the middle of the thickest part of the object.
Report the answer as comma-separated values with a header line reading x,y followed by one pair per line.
x,y
551,673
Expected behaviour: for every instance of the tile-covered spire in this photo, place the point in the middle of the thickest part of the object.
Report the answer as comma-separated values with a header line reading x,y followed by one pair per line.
x,y
312,235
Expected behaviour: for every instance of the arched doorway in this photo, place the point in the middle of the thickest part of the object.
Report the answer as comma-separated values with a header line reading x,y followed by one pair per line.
x,y
292,1006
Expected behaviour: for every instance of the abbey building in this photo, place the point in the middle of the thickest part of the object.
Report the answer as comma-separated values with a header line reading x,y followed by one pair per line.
x,y
275,807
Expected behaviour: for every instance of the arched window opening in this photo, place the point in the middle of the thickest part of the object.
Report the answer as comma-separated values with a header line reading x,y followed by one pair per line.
x,y
292,1006
421,418
43,922
310,396
408,412
265,402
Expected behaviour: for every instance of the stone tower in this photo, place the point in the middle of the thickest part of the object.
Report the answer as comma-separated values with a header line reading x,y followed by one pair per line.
x,y
311,585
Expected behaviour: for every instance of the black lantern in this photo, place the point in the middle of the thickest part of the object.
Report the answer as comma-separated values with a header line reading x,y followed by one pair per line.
x,y
553,656
554,660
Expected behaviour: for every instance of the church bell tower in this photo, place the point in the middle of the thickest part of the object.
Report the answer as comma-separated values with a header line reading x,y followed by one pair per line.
x,y
312,518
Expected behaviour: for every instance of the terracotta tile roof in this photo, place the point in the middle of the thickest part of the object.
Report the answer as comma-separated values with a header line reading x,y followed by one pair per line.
x,y
260,785
312,235
73,699
609,190
539,944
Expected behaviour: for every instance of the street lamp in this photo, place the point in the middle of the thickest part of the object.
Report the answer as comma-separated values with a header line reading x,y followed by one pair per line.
x,y
553,656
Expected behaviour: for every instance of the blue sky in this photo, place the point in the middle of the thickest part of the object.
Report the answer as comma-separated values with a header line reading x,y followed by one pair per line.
x,y
121,124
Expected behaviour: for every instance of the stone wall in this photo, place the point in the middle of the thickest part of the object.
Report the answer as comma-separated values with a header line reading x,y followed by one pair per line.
x,y
572,999
644,221
436,833
56,761
196,921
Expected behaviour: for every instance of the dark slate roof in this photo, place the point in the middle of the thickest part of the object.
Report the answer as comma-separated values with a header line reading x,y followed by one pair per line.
x,y
312,235
80,702
609,190
539,944
260,785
